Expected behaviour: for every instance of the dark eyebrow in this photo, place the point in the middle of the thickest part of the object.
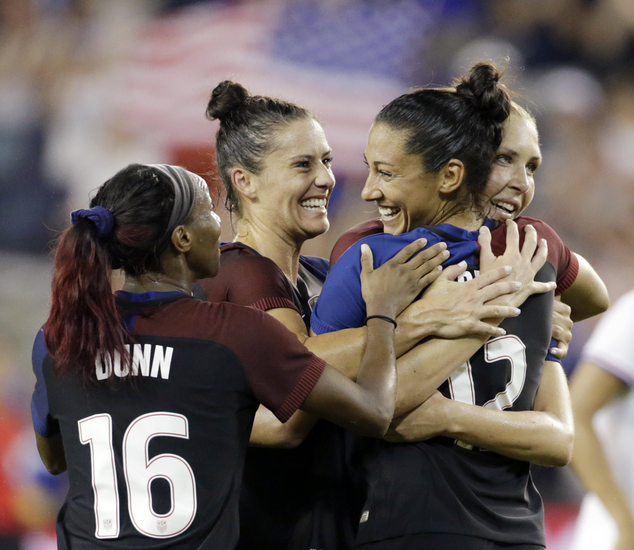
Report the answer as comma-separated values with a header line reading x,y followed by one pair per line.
x,y
377,162
301,157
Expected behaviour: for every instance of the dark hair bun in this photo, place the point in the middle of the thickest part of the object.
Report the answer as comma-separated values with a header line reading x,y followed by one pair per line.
x,y
227,97
481,86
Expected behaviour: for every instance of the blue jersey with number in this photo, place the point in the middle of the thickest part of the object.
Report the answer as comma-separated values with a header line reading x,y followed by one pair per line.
x,y
441,485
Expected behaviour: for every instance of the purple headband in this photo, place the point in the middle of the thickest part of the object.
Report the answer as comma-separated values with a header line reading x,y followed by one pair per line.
x,y
100,216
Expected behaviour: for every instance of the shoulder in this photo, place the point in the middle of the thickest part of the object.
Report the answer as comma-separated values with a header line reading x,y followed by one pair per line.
x,y
544,231
237,256
248,278
359,231
560,256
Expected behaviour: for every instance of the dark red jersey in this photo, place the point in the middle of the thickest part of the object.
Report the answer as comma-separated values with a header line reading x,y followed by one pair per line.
x,y
298,498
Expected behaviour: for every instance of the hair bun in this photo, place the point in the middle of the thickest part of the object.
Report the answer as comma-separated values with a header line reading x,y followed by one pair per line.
x,y
226,98
482,87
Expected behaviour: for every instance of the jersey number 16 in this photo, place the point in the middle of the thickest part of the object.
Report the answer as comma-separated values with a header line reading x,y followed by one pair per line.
x,y
139,472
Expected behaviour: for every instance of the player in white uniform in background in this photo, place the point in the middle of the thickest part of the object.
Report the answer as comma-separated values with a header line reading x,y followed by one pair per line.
x,y
603,403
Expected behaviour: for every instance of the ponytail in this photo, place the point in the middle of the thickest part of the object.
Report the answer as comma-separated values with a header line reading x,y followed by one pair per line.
x,y
83,318
128,226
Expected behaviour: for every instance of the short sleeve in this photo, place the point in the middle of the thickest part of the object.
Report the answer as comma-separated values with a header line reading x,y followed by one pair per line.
x,y
249,279
611,345
43,423
356,233
280,370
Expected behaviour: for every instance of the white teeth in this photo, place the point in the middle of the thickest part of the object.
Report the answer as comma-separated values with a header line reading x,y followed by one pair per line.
x,y
313,203
504,207
388,212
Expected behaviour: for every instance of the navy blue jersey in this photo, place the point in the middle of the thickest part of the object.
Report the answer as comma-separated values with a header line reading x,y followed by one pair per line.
x,y
442,485
155,460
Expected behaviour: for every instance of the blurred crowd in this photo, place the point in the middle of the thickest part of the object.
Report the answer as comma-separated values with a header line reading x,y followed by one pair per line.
x,y
88,86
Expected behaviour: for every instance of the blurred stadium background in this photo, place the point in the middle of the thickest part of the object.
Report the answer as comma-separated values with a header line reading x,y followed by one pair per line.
x,y
88,86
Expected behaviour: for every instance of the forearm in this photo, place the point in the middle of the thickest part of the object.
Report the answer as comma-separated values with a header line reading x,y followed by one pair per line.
x,y
342,349
592,467
377,374
422,370
367,406
533,436
268,431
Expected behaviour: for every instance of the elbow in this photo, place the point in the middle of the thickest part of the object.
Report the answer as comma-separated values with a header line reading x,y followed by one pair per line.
x,y
598,306
290,441
375,425
561,454
56,468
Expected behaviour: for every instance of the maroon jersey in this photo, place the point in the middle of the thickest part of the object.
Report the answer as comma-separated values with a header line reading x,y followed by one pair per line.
x,y
291,498
248,279
156,461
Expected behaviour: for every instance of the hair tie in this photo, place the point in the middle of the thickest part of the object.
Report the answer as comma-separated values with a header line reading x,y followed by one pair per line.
x,y
100,216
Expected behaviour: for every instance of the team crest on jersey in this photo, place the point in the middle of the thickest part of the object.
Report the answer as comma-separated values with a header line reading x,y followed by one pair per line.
x,y
161,525
107,524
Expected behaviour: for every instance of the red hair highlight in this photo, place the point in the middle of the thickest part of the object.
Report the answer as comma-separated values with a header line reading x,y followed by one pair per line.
x,y
83,321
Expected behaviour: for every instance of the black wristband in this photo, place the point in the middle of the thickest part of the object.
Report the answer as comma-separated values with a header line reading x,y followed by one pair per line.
x,y
384,317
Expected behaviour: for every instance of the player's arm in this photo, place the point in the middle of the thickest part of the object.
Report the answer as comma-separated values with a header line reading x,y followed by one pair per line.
x,y
542,436
343,349
587,295
591,388
447,308
367,406
429,364
51,451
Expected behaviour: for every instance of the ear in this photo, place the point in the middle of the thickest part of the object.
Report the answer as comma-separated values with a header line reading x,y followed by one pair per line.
x,y
452,175
244,182
182,238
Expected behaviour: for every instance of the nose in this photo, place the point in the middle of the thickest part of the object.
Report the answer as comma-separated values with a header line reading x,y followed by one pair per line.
x,y
521,180
371,191
325,178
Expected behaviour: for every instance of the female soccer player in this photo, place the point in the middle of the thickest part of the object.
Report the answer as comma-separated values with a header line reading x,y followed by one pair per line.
x,y
511,186
275,163
147,396
429,154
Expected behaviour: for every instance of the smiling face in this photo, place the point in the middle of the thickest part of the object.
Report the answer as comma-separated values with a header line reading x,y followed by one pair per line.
x,y
511,185
295,184
203,257
407,196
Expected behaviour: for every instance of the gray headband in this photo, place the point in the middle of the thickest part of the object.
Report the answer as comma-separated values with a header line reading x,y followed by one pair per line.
x,y
184,195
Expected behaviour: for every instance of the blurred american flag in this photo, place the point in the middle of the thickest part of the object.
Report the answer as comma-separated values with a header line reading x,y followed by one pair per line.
x,y
342,59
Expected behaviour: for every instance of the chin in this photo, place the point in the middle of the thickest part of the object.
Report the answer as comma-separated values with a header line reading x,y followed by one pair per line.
x,y
315,231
